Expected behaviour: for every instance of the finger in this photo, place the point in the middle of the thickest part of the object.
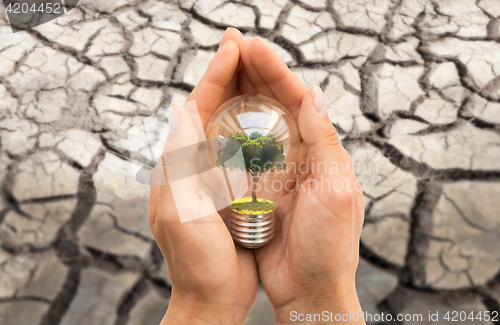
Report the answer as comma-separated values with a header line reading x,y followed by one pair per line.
x,y
181,201
244,84
318,133
181,162
257,83
232,87
154,192
209,91
157,177
284,84
231,34
188,237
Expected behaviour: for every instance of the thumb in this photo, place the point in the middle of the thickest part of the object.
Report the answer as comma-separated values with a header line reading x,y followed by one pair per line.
x,y
182,130
318,133
179,147
181,166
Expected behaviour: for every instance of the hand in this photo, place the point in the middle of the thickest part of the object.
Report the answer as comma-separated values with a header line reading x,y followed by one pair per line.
x,y
214,281
310,265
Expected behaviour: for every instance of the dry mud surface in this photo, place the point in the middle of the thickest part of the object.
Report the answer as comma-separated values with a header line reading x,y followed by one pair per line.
x,y
413,87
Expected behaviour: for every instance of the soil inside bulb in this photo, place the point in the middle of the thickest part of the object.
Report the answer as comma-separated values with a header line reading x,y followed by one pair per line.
x,y
246,206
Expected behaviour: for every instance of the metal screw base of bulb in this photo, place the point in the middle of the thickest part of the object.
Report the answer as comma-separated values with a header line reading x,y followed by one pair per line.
x,y
252,231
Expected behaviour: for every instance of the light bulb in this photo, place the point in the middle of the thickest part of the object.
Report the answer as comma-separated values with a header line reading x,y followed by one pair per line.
x,y
269,138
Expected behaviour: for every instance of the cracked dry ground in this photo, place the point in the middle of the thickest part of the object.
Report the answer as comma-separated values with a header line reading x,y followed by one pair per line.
x,y
413,87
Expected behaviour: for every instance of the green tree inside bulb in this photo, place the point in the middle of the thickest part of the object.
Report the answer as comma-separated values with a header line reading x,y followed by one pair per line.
x,y
261,154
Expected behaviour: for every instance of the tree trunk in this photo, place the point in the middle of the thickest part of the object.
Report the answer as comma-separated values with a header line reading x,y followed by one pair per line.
x,y
254,188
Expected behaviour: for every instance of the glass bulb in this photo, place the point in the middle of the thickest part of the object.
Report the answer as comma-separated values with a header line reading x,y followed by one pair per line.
x,y
269,139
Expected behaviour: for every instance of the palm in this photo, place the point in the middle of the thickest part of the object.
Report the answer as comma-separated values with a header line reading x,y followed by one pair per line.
x,y
304,220
206,260
288,259
298,246
233,264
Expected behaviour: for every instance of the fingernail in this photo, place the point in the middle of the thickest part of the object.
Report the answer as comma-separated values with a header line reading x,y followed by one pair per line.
x,y
225,43
319,100
257,39
173,121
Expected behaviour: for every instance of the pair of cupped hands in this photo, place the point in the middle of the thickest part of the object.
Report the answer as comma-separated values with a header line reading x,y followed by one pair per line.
x,y
310,264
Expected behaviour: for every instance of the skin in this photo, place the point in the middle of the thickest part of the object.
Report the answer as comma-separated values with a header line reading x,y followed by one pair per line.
x,y
310,264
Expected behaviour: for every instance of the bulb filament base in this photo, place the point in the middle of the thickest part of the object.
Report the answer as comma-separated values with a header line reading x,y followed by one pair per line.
x,y
252,231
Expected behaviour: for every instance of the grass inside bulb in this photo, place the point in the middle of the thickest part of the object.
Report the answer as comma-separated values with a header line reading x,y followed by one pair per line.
x,y
267,135
246,205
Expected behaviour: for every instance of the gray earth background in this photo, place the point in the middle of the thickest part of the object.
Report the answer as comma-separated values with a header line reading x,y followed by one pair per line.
x,y
412,86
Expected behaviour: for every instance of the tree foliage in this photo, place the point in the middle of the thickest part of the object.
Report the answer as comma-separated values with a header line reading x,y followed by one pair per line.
x,y
261,153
